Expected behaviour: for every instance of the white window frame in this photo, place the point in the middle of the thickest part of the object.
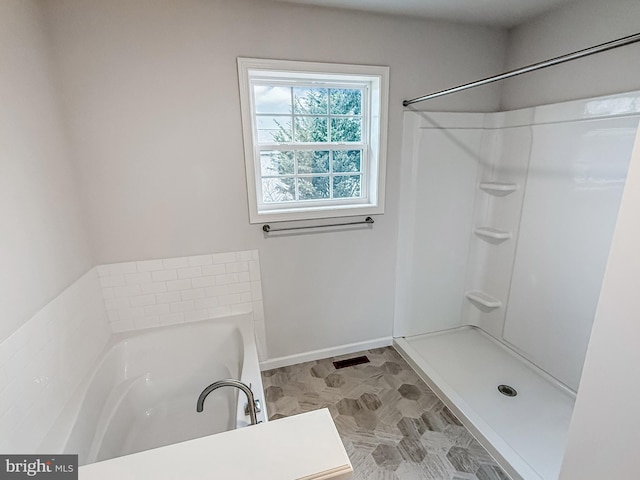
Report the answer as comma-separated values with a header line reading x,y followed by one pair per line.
x,y
374,81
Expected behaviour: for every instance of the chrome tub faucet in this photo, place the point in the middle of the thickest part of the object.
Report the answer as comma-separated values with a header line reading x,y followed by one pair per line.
x,y
229,382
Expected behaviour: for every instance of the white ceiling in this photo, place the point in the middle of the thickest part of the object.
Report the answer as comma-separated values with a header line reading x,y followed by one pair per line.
x,y
500,13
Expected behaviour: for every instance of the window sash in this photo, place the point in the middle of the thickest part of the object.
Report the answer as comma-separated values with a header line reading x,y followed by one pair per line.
x,y
362,146
363,173
310,204
364,116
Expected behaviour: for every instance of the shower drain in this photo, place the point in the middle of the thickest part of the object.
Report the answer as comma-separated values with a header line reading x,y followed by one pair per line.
x,y
507,390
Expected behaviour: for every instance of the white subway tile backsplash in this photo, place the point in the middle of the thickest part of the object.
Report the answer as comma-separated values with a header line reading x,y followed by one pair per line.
x,y
181,307
150,265
127,291
168,291
131,313
174,285
164,275
113,281
224,258
203,303
192,294
180,262
200,260
203,281
237,267
171,318
230,299
170,297
138,278
227,279
189,272
247,255
217,291
242,287
157,309
153,287
214,269
143,300
116,303
43,362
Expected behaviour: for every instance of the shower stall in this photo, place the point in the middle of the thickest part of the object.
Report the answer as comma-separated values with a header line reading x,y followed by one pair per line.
x,y
505,230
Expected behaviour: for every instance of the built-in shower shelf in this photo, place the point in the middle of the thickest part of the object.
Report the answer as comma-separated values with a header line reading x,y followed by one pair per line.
x,y
498,188
483,299
490,233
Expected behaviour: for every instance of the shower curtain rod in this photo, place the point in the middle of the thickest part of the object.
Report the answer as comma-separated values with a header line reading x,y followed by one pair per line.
x,y
603,47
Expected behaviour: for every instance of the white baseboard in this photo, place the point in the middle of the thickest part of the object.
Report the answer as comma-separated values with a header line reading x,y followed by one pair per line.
x,y
325,353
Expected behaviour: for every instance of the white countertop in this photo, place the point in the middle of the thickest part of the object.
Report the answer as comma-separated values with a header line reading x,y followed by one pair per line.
x,y
302,447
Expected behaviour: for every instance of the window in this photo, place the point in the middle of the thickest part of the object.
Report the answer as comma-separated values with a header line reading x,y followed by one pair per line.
x,y
314,138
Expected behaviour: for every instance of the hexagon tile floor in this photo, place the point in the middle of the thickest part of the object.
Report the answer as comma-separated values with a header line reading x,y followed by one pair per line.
x,y
392,425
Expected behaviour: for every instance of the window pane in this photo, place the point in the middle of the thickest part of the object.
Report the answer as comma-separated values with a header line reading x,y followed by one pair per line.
x,y
313,188
313,162
346,186
311,129
272,99
346,160
345,101
273,129
276,163
278,190
310,101
346,129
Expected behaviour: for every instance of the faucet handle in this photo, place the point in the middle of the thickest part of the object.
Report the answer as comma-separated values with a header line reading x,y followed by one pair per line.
x,y
257,404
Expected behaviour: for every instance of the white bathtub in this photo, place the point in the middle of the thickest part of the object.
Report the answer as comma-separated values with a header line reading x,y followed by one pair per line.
x,y
142,392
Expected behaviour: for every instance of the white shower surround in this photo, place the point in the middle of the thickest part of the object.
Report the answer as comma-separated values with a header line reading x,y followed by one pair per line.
x,y
570,158
441,257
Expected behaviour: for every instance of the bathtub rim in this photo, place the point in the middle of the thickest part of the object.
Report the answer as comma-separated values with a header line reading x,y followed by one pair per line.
x,y
57,438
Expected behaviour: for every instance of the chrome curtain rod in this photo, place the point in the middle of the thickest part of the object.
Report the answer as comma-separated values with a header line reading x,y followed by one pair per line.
x,y
603,47
267,228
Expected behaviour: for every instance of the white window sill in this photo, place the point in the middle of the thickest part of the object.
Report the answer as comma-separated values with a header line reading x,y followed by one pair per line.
x,y
312,213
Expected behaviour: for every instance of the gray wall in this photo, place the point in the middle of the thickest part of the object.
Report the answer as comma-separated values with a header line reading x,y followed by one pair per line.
x,y
43,244
573,27
150,91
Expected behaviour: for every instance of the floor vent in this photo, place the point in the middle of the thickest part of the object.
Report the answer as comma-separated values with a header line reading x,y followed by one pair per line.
x,y
350,362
